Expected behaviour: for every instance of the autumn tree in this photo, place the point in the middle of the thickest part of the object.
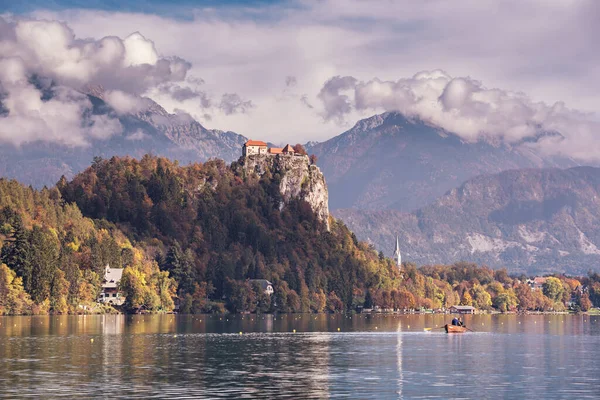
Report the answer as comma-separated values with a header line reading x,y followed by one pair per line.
x,y
481,298
506,301
299,149
525,297
334,304
13,298
466,299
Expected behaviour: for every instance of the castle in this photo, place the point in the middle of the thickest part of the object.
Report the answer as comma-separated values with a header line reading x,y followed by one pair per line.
x,y
252,147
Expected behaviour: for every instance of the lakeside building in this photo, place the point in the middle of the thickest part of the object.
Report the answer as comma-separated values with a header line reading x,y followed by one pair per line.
x,y
110,286
265,285
462,310
536,283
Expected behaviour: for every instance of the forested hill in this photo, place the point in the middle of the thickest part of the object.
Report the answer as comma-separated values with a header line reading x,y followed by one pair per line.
x,y
201,233
215,226
52,258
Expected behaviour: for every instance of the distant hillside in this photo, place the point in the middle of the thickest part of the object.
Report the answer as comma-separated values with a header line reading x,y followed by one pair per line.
x,y
389,161
536,220
151,131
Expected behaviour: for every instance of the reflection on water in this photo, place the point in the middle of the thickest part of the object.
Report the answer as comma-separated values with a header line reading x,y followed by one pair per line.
x,y
553,356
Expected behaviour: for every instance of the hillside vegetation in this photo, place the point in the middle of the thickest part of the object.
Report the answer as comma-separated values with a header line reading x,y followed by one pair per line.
x,y
53,258
201,233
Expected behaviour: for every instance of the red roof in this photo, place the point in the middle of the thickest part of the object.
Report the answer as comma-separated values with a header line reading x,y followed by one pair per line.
x,y
288,149
255,143
275,150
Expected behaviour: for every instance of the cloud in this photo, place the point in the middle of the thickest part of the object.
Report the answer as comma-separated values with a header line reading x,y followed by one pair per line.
x,y
335,102
232,103
50,113
137,135
43,67
290,81
183,93
545,49
124,103
50,49
466,107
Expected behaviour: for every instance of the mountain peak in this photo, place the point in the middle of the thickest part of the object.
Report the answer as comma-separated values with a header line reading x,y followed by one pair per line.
x,y
393,161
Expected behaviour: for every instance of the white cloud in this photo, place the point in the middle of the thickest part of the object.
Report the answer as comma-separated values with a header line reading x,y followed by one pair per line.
x,y
139,50
124,103
137,135
62,118
43,64
544,49
466,107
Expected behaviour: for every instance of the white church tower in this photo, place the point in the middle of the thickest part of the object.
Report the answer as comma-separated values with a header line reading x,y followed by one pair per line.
x,y
397,254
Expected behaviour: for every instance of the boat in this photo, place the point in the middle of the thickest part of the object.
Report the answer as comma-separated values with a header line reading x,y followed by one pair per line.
x,y
455,328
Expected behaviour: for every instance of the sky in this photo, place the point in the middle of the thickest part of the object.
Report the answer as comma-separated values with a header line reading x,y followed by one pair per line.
x,y
294,71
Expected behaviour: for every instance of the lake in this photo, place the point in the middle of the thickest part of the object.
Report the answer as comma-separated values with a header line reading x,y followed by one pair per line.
x,y
328,356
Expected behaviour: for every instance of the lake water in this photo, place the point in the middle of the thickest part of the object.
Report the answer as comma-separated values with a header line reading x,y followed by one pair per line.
x,y
382,356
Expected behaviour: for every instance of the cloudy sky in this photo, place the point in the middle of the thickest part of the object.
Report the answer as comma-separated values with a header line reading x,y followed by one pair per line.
x,y
307,70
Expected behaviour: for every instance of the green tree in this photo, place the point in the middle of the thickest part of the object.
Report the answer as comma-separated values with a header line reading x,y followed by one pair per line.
x,y
481,298
553,289
44,261
506,301
368,304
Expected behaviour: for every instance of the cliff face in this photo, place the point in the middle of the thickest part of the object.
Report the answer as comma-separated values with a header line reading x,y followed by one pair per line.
x,y
299,179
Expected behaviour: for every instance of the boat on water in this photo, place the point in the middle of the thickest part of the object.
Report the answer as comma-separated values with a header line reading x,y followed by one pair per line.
x,y
455,328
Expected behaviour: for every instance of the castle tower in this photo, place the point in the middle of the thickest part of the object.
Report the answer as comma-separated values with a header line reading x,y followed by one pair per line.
x,y
397,254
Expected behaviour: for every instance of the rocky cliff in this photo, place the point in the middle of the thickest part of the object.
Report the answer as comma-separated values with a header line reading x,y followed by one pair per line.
x,y
299,179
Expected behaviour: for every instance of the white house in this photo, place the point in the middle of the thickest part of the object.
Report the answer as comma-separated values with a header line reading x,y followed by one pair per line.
x,y
110,286
254,147
265,285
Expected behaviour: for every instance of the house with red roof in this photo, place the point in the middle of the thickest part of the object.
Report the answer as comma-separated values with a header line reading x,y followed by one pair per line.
x,y
257,147
252,147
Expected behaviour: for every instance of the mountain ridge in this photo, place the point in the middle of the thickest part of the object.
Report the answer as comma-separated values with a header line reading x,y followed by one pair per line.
x,y
391,161
150,130
532,220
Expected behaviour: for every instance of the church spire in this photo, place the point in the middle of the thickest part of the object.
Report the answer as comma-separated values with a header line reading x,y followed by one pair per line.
x,y
397,254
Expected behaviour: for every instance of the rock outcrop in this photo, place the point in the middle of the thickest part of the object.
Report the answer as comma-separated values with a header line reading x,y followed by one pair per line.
x,y
299,179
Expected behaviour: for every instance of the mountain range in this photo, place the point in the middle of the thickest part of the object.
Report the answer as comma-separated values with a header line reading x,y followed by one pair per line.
x,y
387,175
389,161
150,131
530,220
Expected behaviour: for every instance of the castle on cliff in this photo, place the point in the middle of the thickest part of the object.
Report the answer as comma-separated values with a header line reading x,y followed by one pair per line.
x,y
252,147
